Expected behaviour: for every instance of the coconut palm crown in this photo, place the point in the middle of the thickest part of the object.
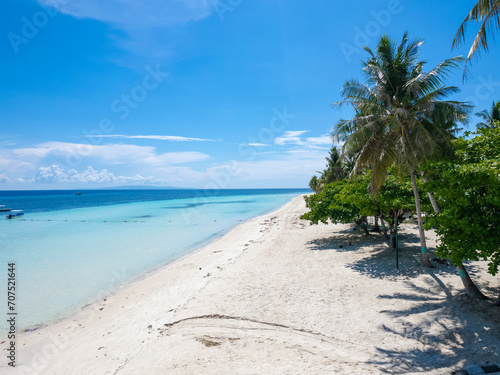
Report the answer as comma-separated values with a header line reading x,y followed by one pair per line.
x,y
400,115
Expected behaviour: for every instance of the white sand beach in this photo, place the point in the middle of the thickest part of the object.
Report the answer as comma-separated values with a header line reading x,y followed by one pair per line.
x,y
278,296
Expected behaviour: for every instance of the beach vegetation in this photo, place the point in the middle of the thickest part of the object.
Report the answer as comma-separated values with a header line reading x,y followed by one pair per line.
x,y
401,116
489,117
349,201
343,201
467,189
336,170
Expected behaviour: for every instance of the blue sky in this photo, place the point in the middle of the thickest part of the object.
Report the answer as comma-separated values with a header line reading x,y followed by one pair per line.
x,y
198,93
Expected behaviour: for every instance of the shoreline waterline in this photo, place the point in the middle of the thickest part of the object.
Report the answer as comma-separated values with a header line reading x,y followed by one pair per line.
x,y
93,305
118,277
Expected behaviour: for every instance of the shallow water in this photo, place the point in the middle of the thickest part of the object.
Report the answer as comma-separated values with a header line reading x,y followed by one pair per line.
x,y
69,250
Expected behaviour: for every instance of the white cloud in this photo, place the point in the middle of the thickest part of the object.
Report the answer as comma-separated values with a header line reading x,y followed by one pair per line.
x,y
286,170
323,140
138,21
91,175
114,153
10,164
290,162
232,167
60,163
135,14
172,138
295,138
4,179
54,174
290,137
256,145
169,158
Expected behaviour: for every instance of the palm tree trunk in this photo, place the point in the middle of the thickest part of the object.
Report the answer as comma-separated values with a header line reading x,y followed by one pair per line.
x,y
434,203
426,262
470,288
362,224
384,228
364,227
391,236
433,200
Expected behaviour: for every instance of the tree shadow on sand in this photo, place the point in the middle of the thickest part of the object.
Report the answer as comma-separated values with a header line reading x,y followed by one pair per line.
x,y
448,332
345,241
381,262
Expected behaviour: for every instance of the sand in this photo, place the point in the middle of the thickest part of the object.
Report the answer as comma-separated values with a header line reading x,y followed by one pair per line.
x,y
278,296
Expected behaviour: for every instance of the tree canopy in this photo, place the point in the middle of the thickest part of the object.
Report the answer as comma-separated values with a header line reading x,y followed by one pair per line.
x,y
343,201
349,200
468,191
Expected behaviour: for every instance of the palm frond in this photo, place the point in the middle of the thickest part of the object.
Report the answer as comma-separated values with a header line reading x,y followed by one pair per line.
x,y
486,12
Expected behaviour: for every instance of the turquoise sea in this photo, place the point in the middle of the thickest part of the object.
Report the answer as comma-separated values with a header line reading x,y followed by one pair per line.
x,y
70,250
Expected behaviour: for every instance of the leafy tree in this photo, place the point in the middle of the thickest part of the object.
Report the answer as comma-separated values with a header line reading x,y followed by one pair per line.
x,y
342,201
349,201
468,192
486,12
489,117
401,118
394,200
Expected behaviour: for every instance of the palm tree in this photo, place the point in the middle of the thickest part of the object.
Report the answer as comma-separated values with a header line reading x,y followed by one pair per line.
x,y
314,184
401,118
334,170
486,12
489,117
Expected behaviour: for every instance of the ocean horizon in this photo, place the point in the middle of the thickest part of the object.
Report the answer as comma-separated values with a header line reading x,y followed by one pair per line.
x,y
72,249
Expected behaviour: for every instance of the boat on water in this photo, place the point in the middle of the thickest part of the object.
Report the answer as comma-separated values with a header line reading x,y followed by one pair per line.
x,y
4,209
15,213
